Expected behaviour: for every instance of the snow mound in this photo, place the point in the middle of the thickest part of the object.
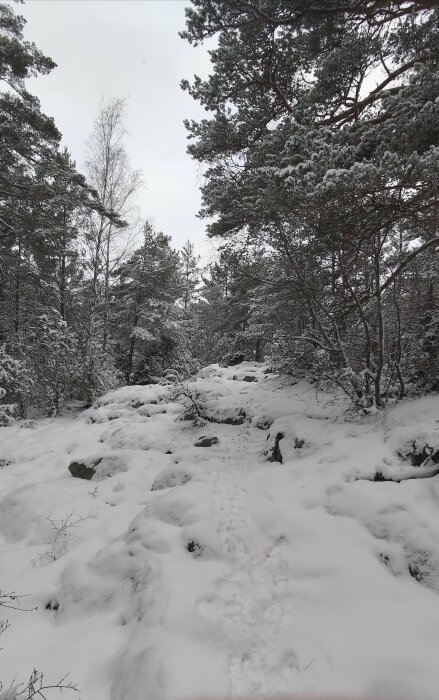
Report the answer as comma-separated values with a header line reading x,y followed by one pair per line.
x,y
109,466
172,476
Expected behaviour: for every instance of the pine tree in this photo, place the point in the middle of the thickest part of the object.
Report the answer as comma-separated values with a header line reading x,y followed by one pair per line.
x,y
336,179
190,273
16,386
149,335
224,322
43,202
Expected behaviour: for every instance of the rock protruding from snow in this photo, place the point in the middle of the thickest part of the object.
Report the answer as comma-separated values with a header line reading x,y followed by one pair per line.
x,y
232,359
231,416
420,453
264,423
275,453
83,470
108,466
207,441
97,469
195,548
170,477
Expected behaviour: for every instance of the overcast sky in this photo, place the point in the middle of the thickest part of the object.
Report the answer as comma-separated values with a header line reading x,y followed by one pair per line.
x,y
131,49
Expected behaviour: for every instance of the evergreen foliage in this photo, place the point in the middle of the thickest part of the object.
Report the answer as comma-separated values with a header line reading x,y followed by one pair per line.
x,y
64,239
322,146
150,333
322,169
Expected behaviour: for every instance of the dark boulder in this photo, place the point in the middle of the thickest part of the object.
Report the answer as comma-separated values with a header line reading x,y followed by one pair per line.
x,y
232,359
81,470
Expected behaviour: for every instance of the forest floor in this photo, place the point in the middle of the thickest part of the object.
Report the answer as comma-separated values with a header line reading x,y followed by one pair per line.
x,y
235,575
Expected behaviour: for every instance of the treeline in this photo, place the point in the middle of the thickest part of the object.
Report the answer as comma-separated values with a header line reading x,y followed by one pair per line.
x,y
82,306
321,147
322,154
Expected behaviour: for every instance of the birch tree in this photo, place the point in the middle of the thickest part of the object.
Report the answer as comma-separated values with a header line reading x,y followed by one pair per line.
x,y
110,173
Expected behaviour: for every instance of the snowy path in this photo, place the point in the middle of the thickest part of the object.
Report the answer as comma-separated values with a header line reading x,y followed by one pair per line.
x,y
235,576
248,603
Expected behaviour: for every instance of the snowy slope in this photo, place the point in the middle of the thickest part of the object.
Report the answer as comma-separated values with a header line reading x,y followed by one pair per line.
x,y
235,575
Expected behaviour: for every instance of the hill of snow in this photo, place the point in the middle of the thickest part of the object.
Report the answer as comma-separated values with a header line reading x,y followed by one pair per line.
x,y
183,571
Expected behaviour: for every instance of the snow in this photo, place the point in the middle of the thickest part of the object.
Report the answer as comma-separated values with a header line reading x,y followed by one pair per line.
x,y
211,571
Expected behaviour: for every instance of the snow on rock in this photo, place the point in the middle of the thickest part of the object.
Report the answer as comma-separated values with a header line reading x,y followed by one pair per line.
x,y
263,422
169,477
206,441
232,359
183,572
235,416
84,469
108,466
98,468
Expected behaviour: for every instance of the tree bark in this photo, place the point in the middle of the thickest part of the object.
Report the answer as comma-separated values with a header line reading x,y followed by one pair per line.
x,y
17,288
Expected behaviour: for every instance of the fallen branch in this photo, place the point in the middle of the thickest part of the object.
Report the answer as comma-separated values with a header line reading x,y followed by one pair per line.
x,y
12,601
418,474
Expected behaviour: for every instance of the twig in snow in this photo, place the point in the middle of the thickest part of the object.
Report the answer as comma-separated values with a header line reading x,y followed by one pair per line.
x,y
63,533
36,688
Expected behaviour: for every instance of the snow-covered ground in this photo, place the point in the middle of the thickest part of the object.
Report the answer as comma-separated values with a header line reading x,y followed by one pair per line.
x,y
199,571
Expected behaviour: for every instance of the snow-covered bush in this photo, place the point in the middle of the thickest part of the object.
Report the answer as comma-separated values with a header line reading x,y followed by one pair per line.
x,y
15,387
96,372
53,357
194,403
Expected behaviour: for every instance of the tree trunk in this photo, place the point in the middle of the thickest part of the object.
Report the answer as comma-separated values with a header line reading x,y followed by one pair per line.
x,y
380,324
62,281
106,290
17,288
398,350
130,356
129,368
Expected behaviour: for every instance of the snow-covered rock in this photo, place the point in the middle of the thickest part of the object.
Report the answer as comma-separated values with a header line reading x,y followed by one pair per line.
x,y
206,441
172,476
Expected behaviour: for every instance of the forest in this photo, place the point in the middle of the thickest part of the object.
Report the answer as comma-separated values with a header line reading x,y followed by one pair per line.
x,y
321,187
